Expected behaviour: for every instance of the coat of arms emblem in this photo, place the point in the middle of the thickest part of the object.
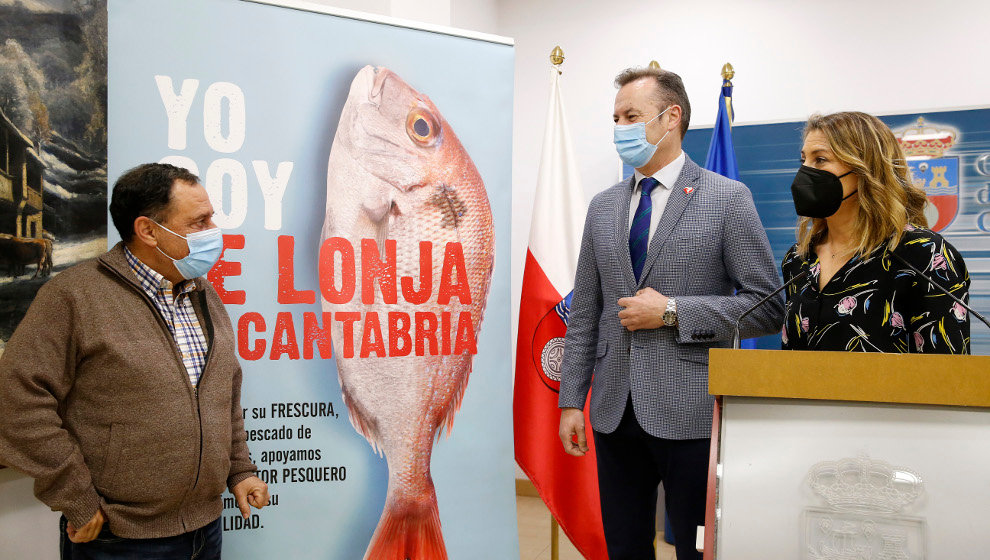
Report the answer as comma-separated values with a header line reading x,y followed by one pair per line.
x,y
925,145
548,343
865,515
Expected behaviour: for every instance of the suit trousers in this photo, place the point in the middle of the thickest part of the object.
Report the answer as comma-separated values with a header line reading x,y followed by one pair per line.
x,y
631,466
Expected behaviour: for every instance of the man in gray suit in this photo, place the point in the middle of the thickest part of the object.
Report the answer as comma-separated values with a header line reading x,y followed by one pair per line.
x,y
670,258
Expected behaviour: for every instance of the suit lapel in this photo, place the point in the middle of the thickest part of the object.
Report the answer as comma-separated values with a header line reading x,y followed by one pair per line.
x,y
683,191
621,221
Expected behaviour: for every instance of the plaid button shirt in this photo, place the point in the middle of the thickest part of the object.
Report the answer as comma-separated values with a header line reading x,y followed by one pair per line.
x,y
178,312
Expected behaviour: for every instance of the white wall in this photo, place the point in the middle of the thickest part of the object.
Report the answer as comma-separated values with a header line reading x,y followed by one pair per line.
x,y
380,7
28,529
792,58
473,15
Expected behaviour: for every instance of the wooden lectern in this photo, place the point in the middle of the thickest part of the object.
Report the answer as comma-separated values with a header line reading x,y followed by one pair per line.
x,y
848,455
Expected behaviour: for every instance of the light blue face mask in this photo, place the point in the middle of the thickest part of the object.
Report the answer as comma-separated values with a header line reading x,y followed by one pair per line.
x,y
631,143
204,252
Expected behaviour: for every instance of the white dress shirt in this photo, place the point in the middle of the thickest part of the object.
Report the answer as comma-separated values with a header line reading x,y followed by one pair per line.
x,y
667,176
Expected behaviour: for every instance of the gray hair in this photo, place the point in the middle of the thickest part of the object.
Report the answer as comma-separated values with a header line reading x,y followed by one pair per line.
x,y
669,90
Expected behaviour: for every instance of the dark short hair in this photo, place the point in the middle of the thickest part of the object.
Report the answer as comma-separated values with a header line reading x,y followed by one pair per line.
x,y
669,90
145,190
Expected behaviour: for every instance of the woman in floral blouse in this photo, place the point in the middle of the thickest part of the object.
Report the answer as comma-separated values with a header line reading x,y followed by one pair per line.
x,y
860,212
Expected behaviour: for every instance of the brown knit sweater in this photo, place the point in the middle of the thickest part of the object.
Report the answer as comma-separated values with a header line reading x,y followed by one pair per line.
x,y
96,405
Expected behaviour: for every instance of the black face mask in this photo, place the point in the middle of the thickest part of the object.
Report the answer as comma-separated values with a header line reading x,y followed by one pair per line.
x,y
817,193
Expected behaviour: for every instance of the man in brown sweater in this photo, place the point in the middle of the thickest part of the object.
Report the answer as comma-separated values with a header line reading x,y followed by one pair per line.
x,y
120,389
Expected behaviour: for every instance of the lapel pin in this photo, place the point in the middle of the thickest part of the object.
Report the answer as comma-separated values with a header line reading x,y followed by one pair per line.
x,y
688,190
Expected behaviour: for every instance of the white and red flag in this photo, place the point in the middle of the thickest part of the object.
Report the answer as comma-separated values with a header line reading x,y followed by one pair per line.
x,y
568,485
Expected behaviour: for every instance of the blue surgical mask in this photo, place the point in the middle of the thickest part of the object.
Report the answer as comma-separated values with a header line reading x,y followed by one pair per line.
x,y
204,252
631,143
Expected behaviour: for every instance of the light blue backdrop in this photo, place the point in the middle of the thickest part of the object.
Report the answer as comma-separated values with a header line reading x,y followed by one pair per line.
x,y
295,68
768,159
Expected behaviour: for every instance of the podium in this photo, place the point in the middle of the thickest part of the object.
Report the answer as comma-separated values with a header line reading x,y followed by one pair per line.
x,y
843,455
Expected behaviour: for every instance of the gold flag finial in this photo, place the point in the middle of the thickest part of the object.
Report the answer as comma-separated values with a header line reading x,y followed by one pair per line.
x,y
557,56
654,65
728,72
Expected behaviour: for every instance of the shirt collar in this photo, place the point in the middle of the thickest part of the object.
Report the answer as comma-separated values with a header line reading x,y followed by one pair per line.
x,y
667,175
151,281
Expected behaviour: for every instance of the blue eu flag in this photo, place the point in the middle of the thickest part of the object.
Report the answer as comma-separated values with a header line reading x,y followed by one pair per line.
x,y
721,156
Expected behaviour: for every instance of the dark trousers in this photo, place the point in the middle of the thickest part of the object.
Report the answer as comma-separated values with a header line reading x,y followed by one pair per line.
x,y
631,466
201,544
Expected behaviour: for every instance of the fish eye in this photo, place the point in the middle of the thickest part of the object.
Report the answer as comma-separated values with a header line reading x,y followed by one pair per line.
x,y
422,127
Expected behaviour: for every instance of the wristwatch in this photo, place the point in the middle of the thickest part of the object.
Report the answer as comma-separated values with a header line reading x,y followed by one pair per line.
x,y
670,314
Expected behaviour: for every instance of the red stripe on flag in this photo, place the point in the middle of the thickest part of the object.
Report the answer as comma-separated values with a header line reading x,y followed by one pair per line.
x,y
567,484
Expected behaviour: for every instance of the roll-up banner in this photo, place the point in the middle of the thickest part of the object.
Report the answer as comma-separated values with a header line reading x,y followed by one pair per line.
x,y
360,171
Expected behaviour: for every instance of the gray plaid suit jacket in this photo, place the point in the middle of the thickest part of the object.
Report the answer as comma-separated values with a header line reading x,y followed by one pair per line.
x,y
709,244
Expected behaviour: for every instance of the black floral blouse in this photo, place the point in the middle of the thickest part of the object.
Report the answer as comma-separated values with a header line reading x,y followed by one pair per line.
x,y
876,304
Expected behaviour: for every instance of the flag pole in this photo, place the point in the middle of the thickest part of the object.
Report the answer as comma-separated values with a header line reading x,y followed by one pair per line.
x,y
654,64
568,486
727,74
557,59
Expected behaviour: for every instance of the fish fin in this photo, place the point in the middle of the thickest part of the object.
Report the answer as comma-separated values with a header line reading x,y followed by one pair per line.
x,y
362,422
447,424
408,532
382,230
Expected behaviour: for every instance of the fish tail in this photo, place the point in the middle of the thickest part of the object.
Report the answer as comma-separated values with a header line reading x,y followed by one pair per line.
x,y
408,531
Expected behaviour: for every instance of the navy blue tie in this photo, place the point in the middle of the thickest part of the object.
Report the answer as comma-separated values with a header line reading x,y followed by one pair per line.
x,y
639,233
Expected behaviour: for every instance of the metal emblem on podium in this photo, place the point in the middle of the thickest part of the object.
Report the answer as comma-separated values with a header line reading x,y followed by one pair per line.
x,y
864,518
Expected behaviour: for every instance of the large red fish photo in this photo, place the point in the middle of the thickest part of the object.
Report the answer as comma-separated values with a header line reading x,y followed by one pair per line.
x,y
408,249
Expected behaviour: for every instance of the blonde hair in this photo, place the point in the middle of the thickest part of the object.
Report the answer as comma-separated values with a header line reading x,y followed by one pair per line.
x,y
888,200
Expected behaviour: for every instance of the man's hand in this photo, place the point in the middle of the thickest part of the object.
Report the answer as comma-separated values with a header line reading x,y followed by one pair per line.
x,y
252,490
644,310
87,532
572,426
